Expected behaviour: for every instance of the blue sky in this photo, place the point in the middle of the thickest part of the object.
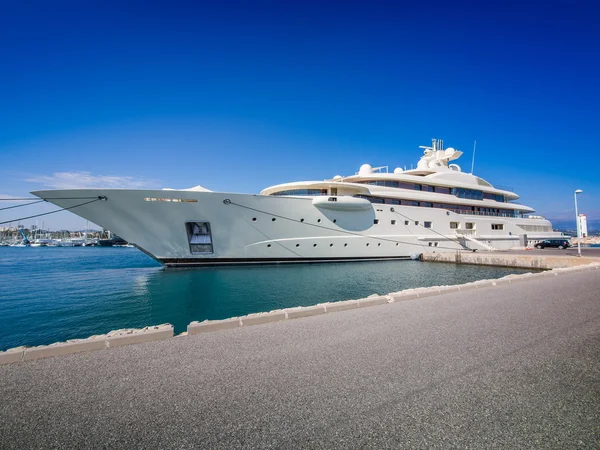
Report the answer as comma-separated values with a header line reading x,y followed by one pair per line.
x,y
237,96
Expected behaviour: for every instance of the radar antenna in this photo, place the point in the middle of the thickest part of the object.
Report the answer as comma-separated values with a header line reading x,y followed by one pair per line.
x,y
473,162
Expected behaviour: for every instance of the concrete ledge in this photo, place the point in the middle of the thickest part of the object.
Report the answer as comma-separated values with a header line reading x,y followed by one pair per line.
x,y
428,292
257,319
12,355
340,306
125,337
213,325
402,296
445,289
64,348
296,313
372,301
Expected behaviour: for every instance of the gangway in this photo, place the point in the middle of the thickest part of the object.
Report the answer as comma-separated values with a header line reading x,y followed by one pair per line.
x,y
476,241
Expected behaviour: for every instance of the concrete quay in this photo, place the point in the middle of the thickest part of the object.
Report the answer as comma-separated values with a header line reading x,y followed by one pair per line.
x,y
525,259
509,365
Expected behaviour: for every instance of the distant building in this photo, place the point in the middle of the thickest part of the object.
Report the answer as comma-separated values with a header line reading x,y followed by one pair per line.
x,y
583,225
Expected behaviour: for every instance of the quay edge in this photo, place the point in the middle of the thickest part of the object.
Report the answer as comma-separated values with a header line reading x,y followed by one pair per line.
x,y
500,259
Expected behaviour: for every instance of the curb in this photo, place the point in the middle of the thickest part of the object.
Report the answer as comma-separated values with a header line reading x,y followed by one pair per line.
x,y
115,338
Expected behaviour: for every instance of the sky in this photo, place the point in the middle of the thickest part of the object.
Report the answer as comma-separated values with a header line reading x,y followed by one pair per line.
x,y
238,96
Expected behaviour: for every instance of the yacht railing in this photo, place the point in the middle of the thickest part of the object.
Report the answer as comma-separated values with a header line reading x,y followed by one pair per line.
x,y
484,213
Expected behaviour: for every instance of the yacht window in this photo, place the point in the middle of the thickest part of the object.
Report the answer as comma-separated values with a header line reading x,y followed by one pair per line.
x,y
416,204
302,192
469,194
393,222
418,187
334,191
406,222
497,226
469,226
427,205
442,190
495,197
199,237
429,188
454,225
375,221
427,224
416,222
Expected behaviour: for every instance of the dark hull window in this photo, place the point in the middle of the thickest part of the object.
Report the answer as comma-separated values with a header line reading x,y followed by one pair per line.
x,y
199,237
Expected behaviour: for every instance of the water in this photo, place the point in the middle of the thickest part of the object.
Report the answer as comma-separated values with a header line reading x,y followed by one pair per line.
x,y
54,294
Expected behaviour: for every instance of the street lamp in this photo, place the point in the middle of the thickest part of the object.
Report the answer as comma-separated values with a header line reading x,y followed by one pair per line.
x,y
578,191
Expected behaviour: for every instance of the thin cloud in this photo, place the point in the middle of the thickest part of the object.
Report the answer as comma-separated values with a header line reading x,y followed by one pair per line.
x,y
87,180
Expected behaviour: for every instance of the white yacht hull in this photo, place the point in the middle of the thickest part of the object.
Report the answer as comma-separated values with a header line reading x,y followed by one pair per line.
x,y
250,229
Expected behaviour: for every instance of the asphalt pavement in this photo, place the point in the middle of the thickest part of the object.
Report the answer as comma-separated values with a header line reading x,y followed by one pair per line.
x,y
511,366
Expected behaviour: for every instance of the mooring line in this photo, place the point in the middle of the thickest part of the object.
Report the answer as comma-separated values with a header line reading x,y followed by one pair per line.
x,y
22,204
98,198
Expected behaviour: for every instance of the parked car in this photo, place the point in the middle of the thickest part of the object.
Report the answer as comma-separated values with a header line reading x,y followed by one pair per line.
x,y
553,243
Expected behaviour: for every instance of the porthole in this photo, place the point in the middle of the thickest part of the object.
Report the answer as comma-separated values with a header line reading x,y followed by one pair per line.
x,y
406,222
416,222
314,245
297,245
393,222
273,219
396,244
375,221
379,244
367,244
301,220
430,244
254,219
436,244
331,245
345,245
268,245
319,220
334,220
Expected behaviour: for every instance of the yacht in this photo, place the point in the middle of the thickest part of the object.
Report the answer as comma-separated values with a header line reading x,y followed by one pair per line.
x,y
374,214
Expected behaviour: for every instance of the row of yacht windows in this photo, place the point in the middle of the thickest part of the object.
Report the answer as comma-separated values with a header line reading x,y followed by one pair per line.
x,y
461,209
302,192
471,194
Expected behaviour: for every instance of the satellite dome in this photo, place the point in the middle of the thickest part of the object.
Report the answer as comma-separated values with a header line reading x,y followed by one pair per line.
x,y
337,178
455,167
365,169
398,170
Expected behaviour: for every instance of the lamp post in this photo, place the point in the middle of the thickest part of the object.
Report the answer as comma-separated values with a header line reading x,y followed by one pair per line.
x,y
578,191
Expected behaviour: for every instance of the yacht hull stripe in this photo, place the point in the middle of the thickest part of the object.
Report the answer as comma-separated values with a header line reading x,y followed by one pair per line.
x,y
182,262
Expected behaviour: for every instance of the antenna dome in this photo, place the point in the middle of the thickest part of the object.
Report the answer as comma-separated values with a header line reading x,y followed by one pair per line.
x,y
365,169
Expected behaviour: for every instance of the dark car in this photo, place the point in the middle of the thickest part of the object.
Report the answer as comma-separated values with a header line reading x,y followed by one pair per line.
x,y
553,243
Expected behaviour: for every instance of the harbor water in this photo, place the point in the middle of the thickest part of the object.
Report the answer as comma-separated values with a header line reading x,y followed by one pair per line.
x,y
54,294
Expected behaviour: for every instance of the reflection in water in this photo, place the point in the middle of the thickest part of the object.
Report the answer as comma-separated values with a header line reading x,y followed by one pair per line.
x,y
55,294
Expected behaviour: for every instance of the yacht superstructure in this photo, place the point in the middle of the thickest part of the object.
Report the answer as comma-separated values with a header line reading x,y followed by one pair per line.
x,y
371,215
